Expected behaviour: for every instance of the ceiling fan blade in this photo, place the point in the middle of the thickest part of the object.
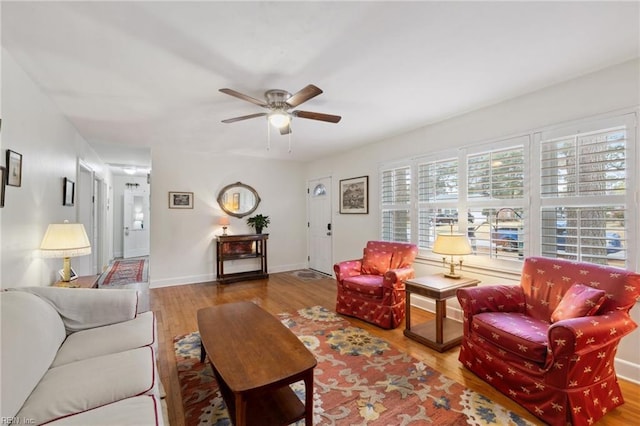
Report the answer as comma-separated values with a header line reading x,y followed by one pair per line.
x,y
317,116
244,97
285,130
303,95
244,117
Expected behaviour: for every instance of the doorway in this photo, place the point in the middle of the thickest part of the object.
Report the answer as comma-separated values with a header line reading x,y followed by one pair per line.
x,y
90,202
320,226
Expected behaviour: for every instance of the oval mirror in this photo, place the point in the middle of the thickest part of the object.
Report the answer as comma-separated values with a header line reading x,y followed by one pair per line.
x,y
238,199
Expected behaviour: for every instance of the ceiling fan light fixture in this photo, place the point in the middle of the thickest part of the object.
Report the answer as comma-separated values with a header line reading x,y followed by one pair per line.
x,y
279,119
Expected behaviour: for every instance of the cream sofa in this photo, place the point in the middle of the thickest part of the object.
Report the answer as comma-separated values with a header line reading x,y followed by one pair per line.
x,y
77,357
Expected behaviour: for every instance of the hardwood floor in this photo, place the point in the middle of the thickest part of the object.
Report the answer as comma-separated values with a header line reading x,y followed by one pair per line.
x,y
176,308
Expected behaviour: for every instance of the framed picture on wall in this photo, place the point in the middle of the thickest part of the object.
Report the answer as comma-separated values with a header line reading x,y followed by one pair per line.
x,y
180,200
354,195
14,168
68,193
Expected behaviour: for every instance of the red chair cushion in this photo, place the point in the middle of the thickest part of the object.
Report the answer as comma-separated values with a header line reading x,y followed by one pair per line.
x,y
514,332
376,261
579,301
370,285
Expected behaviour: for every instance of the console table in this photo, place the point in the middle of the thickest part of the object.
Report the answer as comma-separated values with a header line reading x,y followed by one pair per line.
x,y
239,247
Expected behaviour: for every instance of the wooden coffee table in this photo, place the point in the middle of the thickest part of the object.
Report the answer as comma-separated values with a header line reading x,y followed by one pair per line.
x,y
254,358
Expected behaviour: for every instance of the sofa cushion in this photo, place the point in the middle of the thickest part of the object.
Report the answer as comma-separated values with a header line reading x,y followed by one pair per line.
x,y
85,308
32,332
376,261
579,301
370,285
91,383
109,339
136,411
514,332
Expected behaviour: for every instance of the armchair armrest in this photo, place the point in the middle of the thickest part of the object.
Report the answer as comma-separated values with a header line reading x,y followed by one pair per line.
x,y
81,309
348,268
493,298
395,277
579,336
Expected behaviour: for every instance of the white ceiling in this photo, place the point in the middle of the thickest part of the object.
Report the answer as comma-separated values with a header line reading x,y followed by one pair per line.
x,y
133,76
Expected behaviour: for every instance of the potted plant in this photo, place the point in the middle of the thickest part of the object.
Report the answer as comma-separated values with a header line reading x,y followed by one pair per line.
x,y
258,222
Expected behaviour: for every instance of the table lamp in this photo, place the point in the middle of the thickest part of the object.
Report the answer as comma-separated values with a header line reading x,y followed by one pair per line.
x,y
224,221
452,245
65,240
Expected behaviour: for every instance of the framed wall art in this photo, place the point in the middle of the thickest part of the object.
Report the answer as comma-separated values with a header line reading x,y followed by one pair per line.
x,y
354,195
180,200
14,168
68,193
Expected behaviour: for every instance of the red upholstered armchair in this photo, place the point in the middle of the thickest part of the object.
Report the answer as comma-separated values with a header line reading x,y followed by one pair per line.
x,y
550,343
372,288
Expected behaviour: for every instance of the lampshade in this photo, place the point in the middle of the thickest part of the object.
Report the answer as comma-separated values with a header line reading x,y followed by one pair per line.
x,y
452,244
65,240
224,221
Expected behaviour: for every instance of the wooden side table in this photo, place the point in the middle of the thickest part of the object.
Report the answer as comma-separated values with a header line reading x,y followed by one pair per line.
x,y
445,333
87,281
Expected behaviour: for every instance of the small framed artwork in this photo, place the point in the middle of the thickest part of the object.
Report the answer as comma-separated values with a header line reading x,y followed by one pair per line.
x,y
354,195
72,274
180,200
14,168
3,172
68,193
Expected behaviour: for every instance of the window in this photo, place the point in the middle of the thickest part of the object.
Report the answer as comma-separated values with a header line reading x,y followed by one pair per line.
x,y
587,171
396,204
582,190
437,198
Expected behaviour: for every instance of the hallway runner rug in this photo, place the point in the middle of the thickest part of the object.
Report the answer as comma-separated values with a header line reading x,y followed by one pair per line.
x,y
125,271
359,380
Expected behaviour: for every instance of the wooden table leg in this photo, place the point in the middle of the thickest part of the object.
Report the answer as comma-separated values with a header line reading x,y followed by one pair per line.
x,y
308,399
241,408
441,306
407,321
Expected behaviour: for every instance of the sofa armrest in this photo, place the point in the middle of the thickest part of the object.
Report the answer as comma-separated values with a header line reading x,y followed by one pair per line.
x,y
394,278
579,336
348,268
491,298
81,309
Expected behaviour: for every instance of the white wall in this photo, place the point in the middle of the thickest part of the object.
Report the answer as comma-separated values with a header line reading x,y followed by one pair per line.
x,y
183,240
50,148
613,89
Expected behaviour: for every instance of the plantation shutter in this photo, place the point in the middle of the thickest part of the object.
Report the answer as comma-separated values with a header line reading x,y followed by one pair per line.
x,y
396,204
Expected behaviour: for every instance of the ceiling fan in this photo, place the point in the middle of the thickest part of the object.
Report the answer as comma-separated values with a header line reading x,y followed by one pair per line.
x,y
279,102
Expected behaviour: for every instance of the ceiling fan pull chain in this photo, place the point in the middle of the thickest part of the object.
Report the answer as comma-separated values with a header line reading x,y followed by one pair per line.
x,y
268,135
289,141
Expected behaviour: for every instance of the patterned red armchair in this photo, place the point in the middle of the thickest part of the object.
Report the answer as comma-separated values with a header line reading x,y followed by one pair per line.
x,y
372,288
550,343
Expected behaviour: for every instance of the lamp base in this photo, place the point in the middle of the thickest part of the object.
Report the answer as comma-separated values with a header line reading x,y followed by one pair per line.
x,y
454,275
66,269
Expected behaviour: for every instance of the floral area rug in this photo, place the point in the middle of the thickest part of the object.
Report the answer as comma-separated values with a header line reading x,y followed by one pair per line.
x,y
124,272
359,380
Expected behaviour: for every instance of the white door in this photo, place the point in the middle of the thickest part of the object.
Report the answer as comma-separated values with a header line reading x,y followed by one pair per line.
x,y
320,252
135,220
